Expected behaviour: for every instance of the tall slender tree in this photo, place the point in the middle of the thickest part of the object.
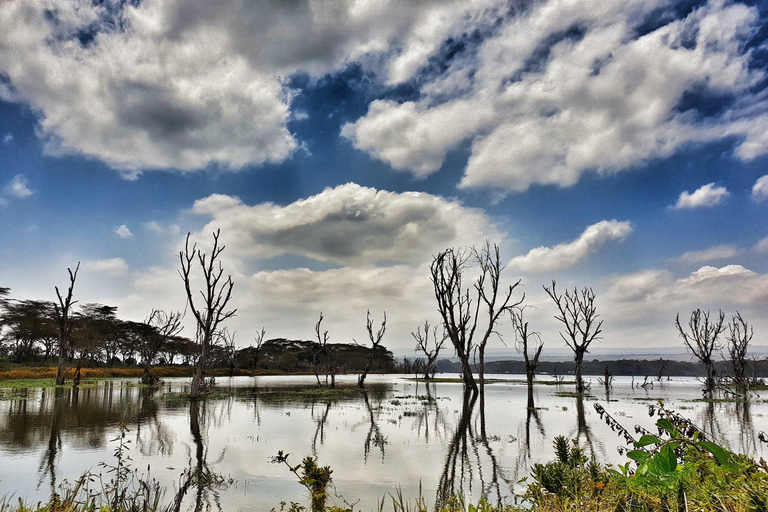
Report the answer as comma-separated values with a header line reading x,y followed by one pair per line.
x,y
701,338
524,340
63,316
739,335
375,345
578,314
216,294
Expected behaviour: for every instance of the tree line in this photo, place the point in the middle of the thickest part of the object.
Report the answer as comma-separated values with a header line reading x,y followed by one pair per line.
x,y
471,313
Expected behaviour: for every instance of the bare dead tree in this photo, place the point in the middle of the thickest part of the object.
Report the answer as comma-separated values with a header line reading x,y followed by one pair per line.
x,y
701,340
258,341
454,304
496,301
215,297
578,314
321,357
227,339
430,350
160,328
739,335
63,316
375,344
460,310
524,339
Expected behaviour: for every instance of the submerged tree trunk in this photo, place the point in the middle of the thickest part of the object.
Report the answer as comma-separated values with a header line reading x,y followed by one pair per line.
x,y
579,359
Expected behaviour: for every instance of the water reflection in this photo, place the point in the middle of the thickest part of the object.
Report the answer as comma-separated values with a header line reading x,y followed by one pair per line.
x,y
428,438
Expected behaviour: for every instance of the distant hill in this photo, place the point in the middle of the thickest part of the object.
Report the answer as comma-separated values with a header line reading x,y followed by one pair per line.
x,y
297,355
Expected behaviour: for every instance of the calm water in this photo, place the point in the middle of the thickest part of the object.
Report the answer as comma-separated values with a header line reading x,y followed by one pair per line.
x,y
421,438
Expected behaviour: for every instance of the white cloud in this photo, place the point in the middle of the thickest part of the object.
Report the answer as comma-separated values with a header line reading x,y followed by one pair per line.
x,y
705,196
162,230
111,267
731,285
717,252
760,189
603,99
200,83
19,187
347,225
762,245
7,138
548,259
123,232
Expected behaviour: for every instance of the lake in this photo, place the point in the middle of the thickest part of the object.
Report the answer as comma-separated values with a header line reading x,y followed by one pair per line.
x,y
422,439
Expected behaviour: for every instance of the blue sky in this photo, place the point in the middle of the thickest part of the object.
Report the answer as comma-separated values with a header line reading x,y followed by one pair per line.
x,y
338,146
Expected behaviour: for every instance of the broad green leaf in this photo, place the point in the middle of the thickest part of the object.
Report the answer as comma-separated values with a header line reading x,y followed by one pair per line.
x,y
720,454
666,425
665,460
638,456
646,440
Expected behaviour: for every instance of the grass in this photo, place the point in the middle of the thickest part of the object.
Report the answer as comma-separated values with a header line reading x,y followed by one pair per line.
x,y
270,395
573,394
42,373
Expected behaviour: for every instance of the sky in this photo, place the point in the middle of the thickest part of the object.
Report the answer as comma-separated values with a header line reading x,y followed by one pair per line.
x,y
339,145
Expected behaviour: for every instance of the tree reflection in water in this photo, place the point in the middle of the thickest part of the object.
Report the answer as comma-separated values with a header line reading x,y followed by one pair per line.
x,y
465,466
199,477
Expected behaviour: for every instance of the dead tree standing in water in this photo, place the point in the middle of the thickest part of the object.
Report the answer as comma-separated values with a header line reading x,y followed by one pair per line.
x,y
702,340
216,295
322,359
487,286
375,345
431,353
523,340
739,335
578,313
460,312
62,312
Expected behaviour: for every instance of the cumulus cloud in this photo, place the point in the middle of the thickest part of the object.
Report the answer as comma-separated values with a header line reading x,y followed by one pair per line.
x,y
708,195
717,252
199,84
111,267
760,189
19,187
731,285
347,225
548,259
123,232
563,88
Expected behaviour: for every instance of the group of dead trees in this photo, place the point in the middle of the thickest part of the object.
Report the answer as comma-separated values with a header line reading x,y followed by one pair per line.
x,y
472,314
702,337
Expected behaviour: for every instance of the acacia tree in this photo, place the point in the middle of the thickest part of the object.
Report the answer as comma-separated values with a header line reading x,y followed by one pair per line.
x,y
62,314
215,294
375,344
701,340
739,335
430,350
524,337
459,307
158,329
578,314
